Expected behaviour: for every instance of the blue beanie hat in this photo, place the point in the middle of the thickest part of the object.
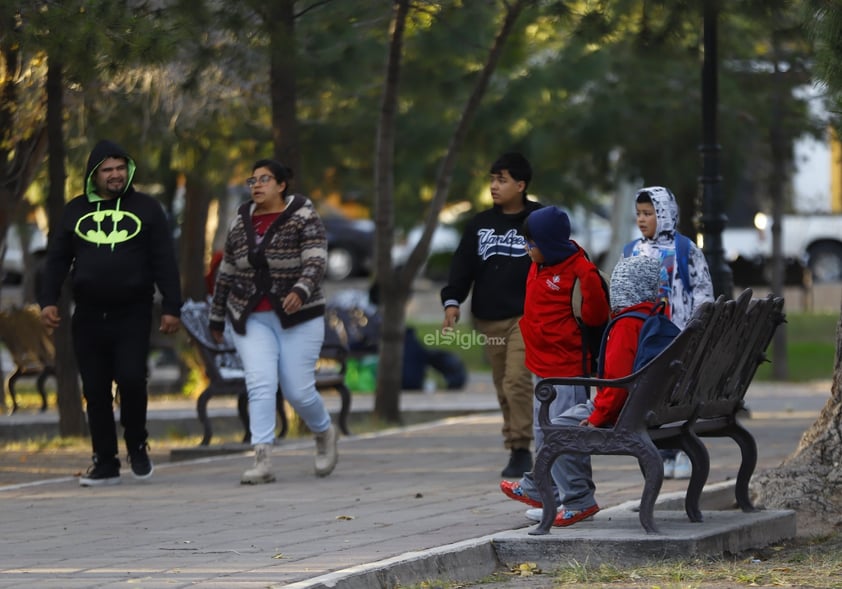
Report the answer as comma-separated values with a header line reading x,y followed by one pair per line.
x,y
549,228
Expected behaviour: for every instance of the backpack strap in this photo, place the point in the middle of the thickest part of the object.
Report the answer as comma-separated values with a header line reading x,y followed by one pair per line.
x,y
601,365
682,255
576,305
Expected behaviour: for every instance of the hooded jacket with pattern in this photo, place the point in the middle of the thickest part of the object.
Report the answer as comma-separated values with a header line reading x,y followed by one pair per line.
x,y
491,258
682,299
117,250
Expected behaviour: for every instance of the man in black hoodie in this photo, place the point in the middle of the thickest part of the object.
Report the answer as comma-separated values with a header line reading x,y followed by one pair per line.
x,y
491,263
118,243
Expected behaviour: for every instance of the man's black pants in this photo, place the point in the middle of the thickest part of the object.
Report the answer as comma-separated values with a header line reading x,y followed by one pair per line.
x,y
113,347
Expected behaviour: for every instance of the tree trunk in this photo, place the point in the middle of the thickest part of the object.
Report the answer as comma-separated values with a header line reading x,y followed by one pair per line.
x,y
393,292
390,361
777,178
71,418
282,83
810,480
396,283
192,243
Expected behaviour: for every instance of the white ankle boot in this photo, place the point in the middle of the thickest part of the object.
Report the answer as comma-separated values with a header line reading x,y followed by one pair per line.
x,y
326,453
262,471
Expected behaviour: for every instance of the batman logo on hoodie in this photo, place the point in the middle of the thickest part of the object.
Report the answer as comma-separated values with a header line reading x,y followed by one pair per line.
x,y
108,227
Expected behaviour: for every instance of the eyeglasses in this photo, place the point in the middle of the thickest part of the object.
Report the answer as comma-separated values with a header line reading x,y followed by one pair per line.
x,y
264,179
529,245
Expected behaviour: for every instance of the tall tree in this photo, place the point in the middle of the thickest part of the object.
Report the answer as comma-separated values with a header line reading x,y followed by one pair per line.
x,y
395,283
71,418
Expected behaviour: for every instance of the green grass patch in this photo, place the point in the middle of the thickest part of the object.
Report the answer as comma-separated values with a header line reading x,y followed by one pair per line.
x,y
810,347
810,343
806,361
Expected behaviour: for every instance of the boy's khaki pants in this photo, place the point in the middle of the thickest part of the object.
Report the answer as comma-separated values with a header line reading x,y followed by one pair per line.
x,y
512,381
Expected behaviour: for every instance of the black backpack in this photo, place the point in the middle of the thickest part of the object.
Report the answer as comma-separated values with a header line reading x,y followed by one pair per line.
x,y
655,335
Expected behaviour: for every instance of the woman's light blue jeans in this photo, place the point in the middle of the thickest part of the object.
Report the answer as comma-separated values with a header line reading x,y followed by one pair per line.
x,y
273,356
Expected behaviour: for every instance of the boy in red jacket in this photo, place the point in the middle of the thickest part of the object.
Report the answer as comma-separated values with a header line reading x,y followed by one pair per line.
x,y
634,287
551,334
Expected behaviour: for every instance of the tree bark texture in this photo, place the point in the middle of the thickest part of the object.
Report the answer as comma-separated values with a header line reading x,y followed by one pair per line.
x,y
192,242
71,420
394,292
810,480
283,85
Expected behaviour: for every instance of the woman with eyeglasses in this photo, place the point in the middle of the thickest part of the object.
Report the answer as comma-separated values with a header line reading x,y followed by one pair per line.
x,y
269,287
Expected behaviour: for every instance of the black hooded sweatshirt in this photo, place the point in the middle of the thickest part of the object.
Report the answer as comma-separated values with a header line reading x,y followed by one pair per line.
x,y
119,248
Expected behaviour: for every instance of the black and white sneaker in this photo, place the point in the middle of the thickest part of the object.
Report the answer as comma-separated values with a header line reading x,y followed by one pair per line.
x,y
140,462
102,472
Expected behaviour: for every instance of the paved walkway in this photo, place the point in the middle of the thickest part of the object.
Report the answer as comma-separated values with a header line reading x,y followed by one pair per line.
x,y
430,488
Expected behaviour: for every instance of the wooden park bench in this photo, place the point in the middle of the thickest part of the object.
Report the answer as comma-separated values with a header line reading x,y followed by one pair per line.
x,y
694,388
31,349
224,369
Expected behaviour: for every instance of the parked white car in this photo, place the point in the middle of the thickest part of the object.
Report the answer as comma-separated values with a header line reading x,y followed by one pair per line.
x,y
813,240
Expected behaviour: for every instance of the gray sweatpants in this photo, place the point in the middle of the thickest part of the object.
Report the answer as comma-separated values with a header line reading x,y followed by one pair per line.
x,y
571,473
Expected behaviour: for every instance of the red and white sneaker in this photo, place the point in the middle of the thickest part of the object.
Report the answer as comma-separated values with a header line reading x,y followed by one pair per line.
x,y
513,490
568,517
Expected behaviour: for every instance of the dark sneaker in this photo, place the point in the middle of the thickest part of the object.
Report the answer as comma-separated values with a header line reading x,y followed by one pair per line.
x,y
520,462
101,473
140,462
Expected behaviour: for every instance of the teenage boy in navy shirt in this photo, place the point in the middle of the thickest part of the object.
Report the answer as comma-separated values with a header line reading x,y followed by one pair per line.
x,y
491,264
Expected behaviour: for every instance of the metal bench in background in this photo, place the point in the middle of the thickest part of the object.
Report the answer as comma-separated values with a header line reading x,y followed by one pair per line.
x,y
224,369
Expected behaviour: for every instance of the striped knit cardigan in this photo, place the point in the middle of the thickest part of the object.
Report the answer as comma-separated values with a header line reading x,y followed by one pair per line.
x,y
291,257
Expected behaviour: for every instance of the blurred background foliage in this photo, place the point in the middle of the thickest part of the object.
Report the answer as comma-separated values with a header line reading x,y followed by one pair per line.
x,y
601,96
